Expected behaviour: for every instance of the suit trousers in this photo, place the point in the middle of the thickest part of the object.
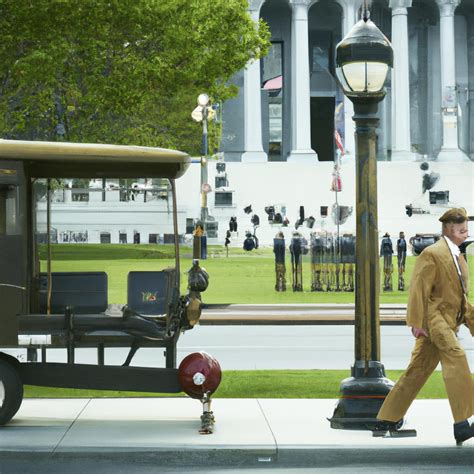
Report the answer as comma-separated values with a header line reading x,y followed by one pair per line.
x,y
442,346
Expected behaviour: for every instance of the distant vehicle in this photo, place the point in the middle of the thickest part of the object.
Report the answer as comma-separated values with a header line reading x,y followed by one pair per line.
x,y
42,309
463,247
420,241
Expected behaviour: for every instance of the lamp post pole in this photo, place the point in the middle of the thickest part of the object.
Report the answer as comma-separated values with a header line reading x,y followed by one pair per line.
x,y
204,173
202,113
363,58
367,318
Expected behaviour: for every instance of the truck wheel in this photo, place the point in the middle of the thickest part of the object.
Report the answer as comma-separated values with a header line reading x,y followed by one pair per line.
x,y
11,392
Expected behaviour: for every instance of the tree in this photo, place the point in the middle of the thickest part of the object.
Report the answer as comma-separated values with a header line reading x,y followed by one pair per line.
x,y
119,71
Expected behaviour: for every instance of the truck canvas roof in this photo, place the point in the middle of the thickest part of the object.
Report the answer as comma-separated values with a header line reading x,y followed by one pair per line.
x,y
88,160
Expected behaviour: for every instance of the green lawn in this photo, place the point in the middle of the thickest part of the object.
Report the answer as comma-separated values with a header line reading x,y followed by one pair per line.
x,y
243,277
257,384
240,278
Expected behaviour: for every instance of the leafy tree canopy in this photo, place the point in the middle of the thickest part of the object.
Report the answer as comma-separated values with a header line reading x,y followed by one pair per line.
x,y
119,71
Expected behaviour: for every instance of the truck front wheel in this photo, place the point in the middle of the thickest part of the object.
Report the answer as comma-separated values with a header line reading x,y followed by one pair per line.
x,y
11,392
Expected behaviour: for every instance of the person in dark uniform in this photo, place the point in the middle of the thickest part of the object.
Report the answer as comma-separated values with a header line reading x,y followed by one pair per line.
x,y
227,242
386,251
296,250
401,258
249,242
317,252
280,268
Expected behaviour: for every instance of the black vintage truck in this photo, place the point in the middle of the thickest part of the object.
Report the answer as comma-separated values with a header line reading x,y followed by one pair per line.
x,y
68,309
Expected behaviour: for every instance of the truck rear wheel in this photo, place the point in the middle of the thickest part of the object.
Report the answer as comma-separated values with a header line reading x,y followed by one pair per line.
x,y
11,392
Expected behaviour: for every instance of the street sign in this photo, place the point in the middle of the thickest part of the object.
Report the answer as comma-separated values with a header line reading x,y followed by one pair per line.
x,y
211,114
196,114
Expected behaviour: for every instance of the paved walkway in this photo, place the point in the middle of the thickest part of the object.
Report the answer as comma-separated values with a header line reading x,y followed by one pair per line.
x,y
247,430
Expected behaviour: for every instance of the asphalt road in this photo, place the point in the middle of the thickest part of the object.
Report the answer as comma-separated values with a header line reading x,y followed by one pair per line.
x,y
272,347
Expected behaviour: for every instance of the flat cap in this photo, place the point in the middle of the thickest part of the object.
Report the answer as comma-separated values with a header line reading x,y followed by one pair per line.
x,y
456,215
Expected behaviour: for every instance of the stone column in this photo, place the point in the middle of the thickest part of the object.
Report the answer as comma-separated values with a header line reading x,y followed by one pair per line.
x,y
470,52
300,88
450,150
349,19
401,142
252,104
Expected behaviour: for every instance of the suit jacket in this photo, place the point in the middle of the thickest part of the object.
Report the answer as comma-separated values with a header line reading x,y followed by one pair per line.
x,y
435,290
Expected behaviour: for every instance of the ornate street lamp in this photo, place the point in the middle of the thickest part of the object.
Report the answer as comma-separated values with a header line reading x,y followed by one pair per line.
x,y
203,113
363,59
204,104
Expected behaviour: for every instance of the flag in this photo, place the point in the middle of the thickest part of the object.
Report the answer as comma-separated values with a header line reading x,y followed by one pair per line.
x,y
336,184
339,143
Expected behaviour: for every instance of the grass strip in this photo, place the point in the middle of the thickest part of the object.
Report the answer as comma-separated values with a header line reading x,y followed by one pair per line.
x,y
255,384
243,277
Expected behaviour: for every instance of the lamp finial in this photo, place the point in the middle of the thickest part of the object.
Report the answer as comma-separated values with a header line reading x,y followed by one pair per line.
x,y
366,11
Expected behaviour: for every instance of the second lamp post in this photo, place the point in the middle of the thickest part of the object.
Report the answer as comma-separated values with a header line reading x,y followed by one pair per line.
x,y
203,102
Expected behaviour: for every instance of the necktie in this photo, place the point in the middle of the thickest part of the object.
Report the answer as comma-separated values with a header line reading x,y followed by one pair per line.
x,y
464,273
463,279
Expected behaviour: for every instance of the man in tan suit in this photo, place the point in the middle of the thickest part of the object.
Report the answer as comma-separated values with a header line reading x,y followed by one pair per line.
x,y
437,306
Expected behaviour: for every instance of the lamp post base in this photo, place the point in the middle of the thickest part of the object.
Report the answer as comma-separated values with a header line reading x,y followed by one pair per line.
x,y
362,395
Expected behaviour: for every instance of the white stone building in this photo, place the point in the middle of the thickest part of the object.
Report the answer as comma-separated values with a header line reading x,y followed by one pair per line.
x,y
289,102
278,134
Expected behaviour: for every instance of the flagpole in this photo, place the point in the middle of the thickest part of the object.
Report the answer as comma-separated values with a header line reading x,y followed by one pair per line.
x,y
337,226
337,168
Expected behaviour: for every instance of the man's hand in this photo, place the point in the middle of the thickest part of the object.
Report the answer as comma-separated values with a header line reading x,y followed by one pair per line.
x,y
419,332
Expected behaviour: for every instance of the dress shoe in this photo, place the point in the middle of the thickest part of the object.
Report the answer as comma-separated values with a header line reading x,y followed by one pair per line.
x,y
384,425
463,431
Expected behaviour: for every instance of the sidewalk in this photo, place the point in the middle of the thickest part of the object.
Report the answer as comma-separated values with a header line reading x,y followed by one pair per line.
x,y
252,431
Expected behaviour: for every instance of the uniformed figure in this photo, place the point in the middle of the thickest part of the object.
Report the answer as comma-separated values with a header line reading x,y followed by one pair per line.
x,y
386,251
401,258
280,269
227,242
337,262
350,277
348,260
437,306
317,252
249,242
329,274
296,250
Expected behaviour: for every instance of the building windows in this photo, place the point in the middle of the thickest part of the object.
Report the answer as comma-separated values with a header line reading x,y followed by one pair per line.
x,y
79,195
105,238
189,225
223,198
73,237
272,82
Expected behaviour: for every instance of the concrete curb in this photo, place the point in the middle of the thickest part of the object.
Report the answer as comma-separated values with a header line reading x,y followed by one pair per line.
x,y
294,314
321,457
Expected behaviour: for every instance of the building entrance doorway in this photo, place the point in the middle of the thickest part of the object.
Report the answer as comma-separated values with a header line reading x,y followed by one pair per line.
x,y
322,127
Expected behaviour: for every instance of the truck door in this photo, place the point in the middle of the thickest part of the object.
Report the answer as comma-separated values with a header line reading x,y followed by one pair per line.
x,y
12,250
